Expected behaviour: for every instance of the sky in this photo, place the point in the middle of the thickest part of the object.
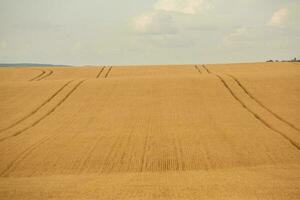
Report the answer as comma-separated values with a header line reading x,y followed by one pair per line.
x,y
98,32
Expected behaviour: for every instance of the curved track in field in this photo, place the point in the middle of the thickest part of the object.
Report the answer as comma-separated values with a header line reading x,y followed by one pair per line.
x,y
253,113
44,116
261,104
50,72
31,148
37,109
38,76
44,74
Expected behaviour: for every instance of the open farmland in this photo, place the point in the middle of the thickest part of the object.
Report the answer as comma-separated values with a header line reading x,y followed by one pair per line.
x,y
150,132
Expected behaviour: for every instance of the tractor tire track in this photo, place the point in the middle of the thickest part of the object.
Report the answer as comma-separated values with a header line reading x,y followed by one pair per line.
x,y
261,104
89,154
112,160
119,160
44,116
180,165
22,156
145,146
116,160
129,140
256,115
37,109
102,68
106,162
198,69
251,111
31,148
50,72
25,153
206,69
107,73
38,76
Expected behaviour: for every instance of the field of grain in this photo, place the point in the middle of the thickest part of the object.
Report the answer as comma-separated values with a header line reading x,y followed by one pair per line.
x,y
227,131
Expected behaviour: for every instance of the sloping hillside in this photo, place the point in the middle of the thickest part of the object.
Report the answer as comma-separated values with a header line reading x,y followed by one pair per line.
x,y
150,132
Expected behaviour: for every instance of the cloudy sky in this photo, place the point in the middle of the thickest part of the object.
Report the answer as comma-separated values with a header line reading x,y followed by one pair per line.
x,y
83,32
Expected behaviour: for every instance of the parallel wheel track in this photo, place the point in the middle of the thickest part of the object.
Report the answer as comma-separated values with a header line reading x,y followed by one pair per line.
x,y
255,114
107,73
100,72
37,109
31,148
50,72
251,111
198,69
38,76
261,104
206,69
44,116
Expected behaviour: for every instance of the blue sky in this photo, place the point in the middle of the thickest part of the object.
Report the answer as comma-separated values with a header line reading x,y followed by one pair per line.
x,y
81,32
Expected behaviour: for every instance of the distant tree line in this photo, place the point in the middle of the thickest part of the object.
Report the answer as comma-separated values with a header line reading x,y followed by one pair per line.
x,y
293,60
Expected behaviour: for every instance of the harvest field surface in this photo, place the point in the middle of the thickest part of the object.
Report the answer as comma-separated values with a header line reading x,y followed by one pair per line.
x,y
175,132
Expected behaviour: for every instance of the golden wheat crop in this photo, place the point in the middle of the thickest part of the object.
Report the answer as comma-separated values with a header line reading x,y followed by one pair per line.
x,y
227,131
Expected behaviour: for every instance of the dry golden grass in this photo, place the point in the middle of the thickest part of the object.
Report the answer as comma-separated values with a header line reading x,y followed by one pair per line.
x,y
151,132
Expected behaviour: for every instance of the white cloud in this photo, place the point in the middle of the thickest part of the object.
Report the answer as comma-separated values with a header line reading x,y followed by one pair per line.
x,y
182,6
160,20
167,41
241,36
154,23
279,18
142,22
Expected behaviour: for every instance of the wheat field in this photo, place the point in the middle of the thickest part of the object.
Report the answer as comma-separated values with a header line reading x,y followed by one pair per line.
x,y
229,131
